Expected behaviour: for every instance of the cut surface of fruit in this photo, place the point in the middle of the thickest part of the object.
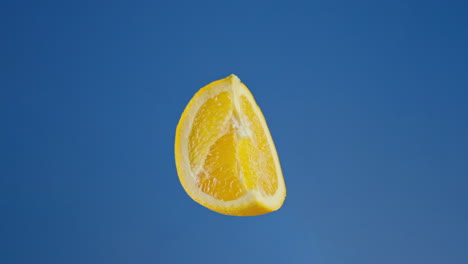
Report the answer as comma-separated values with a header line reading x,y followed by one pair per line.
x,y
225,157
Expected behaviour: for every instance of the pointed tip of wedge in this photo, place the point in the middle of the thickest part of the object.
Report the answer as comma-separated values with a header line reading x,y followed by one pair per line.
x,y
233,78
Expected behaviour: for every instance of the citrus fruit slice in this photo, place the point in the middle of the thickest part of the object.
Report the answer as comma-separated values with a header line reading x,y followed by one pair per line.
x,y
225,157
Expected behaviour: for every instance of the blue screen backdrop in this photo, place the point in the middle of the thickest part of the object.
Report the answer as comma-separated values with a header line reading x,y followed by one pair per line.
x,y
367,102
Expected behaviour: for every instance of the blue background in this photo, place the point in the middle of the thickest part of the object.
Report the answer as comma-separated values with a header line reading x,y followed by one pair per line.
x,y
366,101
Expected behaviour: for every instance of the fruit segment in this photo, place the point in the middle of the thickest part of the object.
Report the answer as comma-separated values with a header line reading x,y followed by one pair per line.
x,y
225,156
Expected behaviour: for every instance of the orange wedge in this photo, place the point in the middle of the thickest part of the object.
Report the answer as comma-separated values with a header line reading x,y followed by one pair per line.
x,y
225,157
